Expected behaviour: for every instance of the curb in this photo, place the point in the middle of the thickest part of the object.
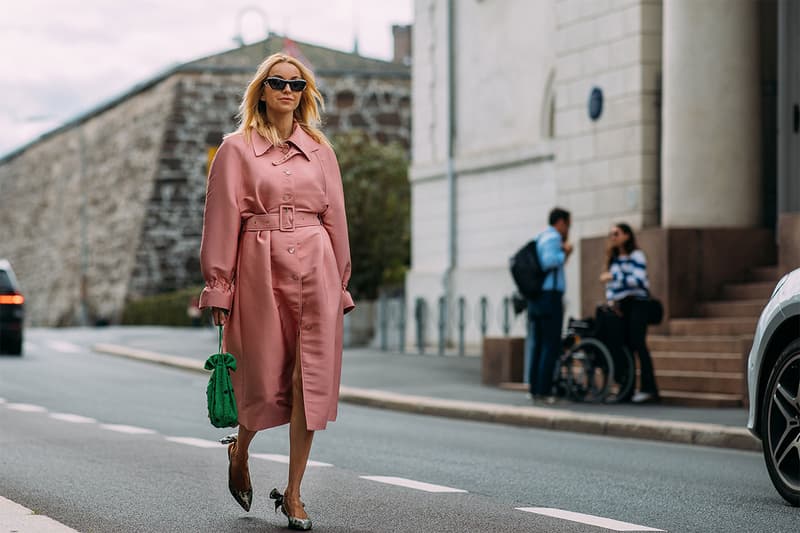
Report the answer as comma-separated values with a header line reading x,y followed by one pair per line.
x,y
715,435
16,518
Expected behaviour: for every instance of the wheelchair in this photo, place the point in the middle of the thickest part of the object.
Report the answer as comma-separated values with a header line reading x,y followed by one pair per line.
x,y
595,365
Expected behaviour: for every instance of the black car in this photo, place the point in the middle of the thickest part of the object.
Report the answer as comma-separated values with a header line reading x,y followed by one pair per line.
x,y
12,311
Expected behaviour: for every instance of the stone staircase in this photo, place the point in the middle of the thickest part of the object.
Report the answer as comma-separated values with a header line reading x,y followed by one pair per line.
x,y
702,360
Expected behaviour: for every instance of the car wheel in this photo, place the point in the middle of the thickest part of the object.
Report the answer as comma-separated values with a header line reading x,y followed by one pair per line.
x,y
780,424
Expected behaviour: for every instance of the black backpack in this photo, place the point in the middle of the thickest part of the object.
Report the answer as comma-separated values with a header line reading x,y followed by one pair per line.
x,y
527,271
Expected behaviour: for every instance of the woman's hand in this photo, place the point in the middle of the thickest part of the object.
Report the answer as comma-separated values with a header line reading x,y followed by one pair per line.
x,y
219,315
605,277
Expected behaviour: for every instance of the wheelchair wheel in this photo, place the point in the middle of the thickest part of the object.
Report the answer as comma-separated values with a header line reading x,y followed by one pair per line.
x,y
588,370
624,377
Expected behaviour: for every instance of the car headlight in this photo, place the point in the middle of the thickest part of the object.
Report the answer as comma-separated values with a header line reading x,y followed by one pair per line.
x,y
779,285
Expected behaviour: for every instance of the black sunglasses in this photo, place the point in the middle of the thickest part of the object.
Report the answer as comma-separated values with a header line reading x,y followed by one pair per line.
x,y
279,84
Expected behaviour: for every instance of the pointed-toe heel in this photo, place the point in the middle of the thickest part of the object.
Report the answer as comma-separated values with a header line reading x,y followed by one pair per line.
x,y
299,524
243,497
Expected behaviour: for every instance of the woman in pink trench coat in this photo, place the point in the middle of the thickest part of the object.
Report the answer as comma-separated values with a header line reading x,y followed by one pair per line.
x,y
276,260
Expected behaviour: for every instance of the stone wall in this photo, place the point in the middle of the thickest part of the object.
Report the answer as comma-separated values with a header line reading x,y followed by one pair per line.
x,y
379,106
204,110
95,175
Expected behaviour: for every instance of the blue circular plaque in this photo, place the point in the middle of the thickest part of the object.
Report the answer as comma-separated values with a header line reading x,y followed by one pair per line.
x,y
595,103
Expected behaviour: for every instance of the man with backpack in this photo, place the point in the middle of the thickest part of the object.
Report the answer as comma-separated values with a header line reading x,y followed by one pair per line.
x,y
545,304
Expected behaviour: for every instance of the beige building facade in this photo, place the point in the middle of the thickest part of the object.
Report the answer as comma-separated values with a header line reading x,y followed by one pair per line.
x,y
698,132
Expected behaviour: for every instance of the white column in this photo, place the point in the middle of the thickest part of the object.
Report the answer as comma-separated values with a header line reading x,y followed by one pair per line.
x,y
711,144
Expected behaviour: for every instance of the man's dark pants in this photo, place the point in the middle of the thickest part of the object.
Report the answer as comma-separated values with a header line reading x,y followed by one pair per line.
x,y
546,314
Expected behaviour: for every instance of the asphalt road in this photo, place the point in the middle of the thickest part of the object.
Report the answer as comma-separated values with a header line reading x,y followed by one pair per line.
x,y
143,459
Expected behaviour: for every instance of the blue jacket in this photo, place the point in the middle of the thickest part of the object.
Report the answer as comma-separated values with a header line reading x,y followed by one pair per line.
x,y
552,256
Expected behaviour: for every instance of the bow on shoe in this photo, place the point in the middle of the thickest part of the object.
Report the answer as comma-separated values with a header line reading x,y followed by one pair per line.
x,y
278,497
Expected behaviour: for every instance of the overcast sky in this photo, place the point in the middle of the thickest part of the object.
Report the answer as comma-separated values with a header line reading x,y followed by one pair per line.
x,y
62,57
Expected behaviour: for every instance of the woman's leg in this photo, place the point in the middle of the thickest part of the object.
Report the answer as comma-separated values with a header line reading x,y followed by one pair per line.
x,y
240,473
638,343
299,444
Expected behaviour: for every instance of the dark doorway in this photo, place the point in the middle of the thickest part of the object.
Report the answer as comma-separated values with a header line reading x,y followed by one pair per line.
x,y
768,23
788,121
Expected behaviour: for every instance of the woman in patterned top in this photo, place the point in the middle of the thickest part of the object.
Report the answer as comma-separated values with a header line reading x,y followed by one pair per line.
x,y
627,291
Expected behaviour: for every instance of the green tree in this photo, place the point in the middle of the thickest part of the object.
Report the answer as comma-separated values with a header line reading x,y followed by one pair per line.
x,y
377,197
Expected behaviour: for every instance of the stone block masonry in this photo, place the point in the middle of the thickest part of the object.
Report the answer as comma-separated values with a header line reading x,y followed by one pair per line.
x,y
83,189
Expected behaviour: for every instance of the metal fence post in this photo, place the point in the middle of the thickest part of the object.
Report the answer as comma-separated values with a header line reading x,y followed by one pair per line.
x,y
402,325
383,309
484,303
462,303
442,325
421,317
506,316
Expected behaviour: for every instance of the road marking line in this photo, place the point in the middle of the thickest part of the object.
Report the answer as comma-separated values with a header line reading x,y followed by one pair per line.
x,y
200,443
26,407
77,419
411,484
284,459
66,347
607,523
2,400
131,430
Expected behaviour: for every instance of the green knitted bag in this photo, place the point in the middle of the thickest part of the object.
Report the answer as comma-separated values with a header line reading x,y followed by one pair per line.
x,y
221,401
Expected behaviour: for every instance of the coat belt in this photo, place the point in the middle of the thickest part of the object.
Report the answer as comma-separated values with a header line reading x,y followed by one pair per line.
x,y
286,219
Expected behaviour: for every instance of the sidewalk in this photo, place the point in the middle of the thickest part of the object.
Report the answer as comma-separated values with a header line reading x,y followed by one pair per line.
x,y
450,386
16,518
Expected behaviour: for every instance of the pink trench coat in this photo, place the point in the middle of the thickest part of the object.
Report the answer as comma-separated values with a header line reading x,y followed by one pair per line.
x,y
275,253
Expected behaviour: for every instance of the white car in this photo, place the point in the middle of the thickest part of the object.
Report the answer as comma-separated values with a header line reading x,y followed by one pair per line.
x,y
773,381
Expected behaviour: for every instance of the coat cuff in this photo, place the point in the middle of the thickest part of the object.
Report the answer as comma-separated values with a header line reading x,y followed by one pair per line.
x,y
347,302
217,296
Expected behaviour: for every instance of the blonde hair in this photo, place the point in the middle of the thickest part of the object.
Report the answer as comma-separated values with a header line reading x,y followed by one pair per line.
x,y
253,111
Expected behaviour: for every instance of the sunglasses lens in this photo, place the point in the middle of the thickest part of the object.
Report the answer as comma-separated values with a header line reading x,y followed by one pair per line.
x,y
297,85
276,84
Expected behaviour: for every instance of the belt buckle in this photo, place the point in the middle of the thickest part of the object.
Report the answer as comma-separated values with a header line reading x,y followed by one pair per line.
x,y
286,210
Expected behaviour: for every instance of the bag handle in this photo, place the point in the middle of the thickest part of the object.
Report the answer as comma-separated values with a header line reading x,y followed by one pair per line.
x,y
219,350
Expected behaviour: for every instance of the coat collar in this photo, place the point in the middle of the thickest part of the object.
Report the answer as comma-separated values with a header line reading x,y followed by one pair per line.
x,y
299,138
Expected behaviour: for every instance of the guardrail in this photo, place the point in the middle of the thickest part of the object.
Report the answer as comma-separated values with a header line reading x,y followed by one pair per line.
x,y
435,326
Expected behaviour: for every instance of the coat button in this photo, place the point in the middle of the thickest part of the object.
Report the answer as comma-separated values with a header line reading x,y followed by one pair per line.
x,y
307,327
295,277
291,249
287,197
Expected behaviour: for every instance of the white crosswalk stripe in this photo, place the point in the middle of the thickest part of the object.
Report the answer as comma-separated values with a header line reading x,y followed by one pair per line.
x,y
76,419
411,484
131,430
284,459
65,347
591,520
191,441
26,407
